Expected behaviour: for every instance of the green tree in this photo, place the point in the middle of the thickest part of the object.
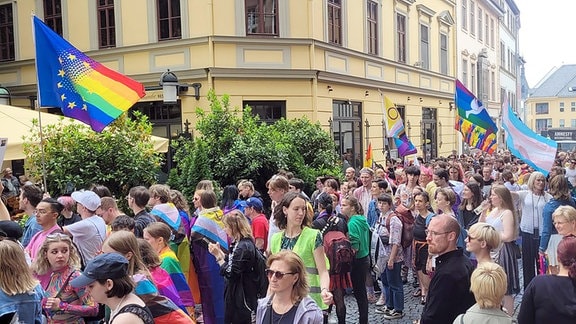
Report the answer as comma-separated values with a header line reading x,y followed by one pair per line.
x,y
75,157
235,145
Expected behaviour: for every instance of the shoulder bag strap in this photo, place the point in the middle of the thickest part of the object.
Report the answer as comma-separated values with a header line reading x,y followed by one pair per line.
x,y
65,284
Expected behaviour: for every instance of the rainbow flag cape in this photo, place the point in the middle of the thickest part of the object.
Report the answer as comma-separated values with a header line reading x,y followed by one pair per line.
x,y
83,88
473,121
170,263
395,129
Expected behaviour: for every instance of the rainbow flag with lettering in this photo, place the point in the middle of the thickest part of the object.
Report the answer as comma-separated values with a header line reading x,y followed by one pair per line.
x,y
473,121
83,88
395,129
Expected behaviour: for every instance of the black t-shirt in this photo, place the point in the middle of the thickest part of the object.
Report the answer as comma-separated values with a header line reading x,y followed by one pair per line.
x,y
63,221
420,228
470,218
286,318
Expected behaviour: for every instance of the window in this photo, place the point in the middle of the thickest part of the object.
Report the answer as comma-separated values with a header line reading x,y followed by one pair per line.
x,y
465,72
335,21
542,124
561,123
347,131
6,33
465,14
53,15
492,32
486,29
443,53
573,123
472,20
502,55
106,24
401,37
561,107
372,20
169,20
473,80
262,17
493,86
424,47
573,106
268,111
480,33
541,108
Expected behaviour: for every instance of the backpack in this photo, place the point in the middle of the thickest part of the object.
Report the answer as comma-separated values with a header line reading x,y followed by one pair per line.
x,y
405,216
338,249
260,277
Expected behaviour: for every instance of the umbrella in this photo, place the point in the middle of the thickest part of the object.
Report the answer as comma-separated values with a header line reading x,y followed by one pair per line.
x,y
15,123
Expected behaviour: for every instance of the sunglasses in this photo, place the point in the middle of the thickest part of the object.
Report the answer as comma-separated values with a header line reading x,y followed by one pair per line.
x,y
279,275
470,238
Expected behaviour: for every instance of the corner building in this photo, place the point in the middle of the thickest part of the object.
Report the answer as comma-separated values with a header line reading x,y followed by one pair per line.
x,y
328,60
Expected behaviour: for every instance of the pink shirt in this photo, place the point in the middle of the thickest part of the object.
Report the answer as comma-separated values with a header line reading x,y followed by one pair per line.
x,y
38,239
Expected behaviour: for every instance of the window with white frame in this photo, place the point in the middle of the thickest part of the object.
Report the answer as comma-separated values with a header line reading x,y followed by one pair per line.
x,y
444,54
424,46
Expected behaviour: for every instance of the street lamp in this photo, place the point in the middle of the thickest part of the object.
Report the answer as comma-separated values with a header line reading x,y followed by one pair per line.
x,y
5,97
170,86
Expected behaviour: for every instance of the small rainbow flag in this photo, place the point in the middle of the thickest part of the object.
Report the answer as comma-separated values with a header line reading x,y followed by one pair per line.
x,y
369,157
83,88
473,121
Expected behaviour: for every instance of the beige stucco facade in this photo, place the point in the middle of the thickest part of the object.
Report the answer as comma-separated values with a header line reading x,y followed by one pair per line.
x,y
299,66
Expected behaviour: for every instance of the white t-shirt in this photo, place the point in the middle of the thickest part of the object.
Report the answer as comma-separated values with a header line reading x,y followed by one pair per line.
x,y
88,235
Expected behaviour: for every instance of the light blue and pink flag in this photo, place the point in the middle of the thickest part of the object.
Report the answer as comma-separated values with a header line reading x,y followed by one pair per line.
x,y
537,151
473,121
395,129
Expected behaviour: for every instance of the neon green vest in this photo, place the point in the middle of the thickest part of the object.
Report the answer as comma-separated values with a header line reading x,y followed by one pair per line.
x,y
305,249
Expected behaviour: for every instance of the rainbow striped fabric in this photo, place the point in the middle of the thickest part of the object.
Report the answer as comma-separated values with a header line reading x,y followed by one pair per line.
x,y
170,263
395,129
83,88
473,121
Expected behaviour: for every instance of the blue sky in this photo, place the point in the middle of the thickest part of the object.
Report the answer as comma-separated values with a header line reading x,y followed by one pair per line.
x,y
547,33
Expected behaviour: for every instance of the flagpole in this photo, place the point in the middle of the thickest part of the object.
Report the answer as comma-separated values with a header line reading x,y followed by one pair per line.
x,y
385,128
37,107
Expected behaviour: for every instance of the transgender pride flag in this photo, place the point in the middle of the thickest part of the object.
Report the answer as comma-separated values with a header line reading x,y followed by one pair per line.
x,y
83,88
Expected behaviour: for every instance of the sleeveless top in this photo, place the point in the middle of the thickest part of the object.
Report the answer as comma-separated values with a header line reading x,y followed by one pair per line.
x,y
141,311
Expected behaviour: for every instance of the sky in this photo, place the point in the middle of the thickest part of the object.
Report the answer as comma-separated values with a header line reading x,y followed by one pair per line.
x,y
547,36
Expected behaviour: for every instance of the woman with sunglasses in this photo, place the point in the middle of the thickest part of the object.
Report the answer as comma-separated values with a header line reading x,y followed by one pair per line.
x,y
482,241
20,292
56,264
503,218
296,235
288,301
240,294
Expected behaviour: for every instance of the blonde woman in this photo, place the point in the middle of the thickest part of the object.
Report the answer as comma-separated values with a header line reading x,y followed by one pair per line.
x,y
56,264
20,293
288,301
482,240
488,284
564,218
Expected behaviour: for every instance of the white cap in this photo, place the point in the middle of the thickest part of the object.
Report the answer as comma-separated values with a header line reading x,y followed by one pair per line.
x,y
87,198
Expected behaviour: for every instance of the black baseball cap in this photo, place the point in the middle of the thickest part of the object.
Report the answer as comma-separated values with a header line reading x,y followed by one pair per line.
x,y
103,266
10,229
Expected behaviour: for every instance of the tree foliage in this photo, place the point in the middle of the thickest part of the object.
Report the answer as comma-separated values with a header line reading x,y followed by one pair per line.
x,y
75,157
235,145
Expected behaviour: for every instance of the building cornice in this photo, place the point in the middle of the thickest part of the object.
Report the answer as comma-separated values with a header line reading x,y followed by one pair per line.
x,y
422,9
446,18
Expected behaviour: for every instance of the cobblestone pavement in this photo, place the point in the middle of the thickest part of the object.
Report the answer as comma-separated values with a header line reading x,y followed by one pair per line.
x,y
412,307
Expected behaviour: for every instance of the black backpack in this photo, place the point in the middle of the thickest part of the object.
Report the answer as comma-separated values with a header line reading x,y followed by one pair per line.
x,y
260,277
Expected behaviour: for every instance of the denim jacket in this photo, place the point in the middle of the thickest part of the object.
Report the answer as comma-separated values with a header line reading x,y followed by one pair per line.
x,y
27,306
547,226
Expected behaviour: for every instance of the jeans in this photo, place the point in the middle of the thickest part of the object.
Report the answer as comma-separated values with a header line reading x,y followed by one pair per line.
x,y
360,268
394,292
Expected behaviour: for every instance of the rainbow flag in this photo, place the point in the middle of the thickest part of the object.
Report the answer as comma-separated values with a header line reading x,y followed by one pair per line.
x,y
83,88
369,157
209,228
395,129
473,121
170,263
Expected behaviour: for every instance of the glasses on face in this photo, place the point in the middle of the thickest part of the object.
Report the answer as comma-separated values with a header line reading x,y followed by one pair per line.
x,y
559,223
470,238
195,198
278,274
434,234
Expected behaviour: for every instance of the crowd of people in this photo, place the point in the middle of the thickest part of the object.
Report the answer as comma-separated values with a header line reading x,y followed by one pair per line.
x,y
454,229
